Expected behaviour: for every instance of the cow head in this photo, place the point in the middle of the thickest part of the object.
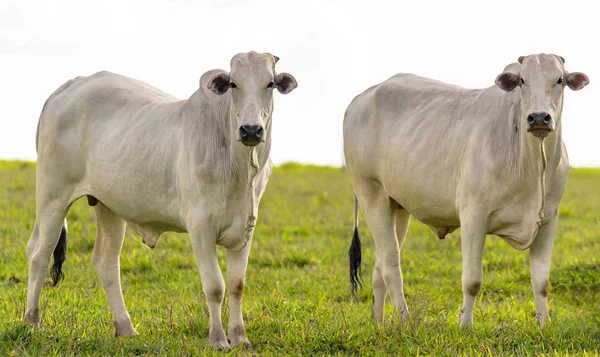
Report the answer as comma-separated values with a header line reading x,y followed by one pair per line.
x,y
251,81
541,79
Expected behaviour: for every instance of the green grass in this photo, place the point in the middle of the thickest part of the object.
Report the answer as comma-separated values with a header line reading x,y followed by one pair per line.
x,y
297,299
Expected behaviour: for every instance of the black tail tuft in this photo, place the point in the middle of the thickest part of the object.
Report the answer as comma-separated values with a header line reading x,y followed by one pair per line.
x,y
355,256
60,254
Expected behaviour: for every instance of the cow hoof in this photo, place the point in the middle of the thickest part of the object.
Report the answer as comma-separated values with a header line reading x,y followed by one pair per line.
x,y
465,324
237,336
465,321
542,320
404,316
237,341
220,345
124,329
32,317
377,318
217,339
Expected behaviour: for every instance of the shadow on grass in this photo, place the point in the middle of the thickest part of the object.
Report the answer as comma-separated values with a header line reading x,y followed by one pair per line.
x,y
18,333
578,285
22,339
577,278
285,262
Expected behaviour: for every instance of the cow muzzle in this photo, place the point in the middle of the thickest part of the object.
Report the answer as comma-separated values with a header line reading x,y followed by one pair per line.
x,y
251,135
540,124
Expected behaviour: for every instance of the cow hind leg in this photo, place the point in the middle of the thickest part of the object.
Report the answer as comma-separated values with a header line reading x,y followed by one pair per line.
x,y
402,223
110,233
379,290
43,241
380,214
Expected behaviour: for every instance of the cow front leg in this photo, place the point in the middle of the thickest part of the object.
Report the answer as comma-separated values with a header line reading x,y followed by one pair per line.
x,y
472,243
236,272
205,253
540,254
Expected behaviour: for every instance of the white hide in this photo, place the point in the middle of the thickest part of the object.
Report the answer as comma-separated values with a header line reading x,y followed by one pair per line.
x,y
454,157
159,164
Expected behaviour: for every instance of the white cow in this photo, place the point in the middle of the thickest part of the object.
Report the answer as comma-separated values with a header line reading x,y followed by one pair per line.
x,y
491,161
160,164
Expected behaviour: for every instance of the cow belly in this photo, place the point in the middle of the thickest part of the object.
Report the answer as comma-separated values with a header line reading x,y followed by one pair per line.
x,y
148,201
154,216
519,233
429,207
441,226
149,233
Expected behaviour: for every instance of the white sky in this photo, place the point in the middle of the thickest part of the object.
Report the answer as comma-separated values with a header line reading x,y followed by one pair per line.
x,y
335,49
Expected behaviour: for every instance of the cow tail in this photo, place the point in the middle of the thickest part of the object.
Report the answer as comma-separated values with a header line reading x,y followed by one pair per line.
x,y
355,255
60,255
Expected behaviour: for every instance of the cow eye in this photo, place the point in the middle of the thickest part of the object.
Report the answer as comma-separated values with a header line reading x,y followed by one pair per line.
x,y
522,81
232,85
270,85
559,81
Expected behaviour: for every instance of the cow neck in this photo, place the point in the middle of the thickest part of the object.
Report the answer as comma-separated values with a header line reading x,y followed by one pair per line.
x,y
253,160
211,133
543,154
535,152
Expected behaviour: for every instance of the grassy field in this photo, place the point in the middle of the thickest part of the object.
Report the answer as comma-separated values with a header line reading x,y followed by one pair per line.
x,y
297,299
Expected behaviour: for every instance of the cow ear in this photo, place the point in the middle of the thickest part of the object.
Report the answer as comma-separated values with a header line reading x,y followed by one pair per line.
x,y
577,80
219,83
285,83
508,81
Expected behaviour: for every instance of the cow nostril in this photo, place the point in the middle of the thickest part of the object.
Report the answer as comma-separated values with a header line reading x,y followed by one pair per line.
x,y
530,120
547,119
243,132
259,132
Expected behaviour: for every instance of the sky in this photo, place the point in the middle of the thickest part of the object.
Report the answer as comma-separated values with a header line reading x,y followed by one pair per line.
x,y
334,49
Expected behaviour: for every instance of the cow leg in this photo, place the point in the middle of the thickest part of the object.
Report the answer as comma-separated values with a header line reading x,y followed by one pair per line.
x,y
380,214
46,232
472,243
236,271
540,254
402,222
379,291
205,253
110,231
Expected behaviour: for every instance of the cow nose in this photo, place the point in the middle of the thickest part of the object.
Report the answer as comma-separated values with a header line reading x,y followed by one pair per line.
x,y
540,124
251,135
539,120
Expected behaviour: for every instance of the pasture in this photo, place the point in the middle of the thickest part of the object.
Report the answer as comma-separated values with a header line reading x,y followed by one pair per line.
x,y
297,299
